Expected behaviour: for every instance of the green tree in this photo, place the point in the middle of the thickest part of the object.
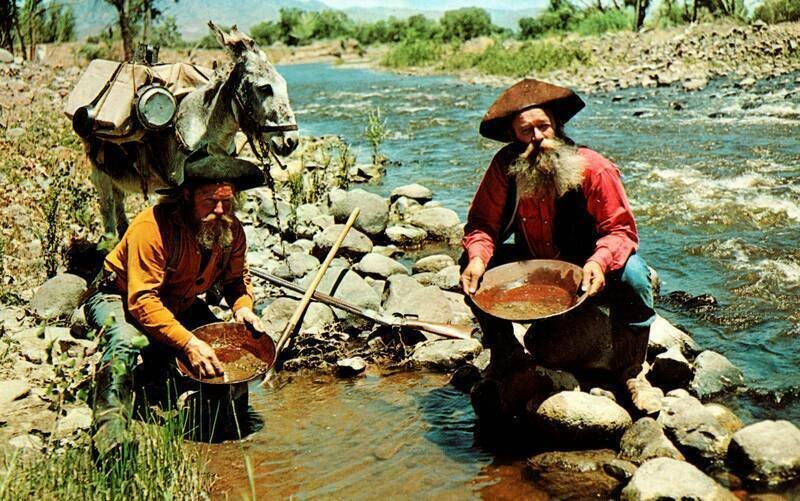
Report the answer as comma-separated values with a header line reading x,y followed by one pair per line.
x,y
466,23
266,32
166,33
330,24
778,11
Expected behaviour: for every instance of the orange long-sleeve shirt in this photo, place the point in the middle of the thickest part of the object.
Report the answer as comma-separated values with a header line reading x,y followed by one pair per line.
x,y
154,295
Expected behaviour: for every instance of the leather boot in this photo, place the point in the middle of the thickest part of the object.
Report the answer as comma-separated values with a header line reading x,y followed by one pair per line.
x,y
112,411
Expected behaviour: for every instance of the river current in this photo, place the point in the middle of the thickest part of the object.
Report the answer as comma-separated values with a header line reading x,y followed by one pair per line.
x,y
713,177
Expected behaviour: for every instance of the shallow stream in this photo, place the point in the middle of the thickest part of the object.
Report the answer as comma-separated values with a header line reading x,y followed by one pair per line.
x,y
714,180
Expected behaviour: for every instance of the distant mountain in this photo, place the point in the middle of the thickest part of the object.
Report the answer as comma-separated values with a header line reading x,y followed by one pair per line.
x,y
92,16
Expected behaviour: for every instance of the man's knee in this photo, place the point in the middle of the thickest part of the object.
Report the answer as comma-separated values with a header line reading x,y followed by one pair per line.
x,y
636,275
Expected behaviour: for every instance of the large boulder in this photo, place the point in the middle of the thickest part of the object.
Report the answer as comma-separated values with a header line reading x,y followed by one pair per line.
x,y
667,479
766,453
592,474
433,264
58,297
448,279
315,321
400,286
296,265
646,440
446,354
11,390
714,374
413,191
438,222
694,429
355,244
348,286
6,56
574,417
374,214
380,266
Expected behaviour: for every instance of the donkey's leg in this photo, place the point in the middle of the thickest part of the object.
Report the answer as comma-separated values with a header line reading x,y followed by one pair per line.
x,y
105,192
119,210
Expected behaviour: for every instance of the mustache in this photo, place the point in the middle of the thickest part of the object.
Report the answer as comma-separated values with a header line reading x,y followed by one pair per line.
x,y
544,146
213,217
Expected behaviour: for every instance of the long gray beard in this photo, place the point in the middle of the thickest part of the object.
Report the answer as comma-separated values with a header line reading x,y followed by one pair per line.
x,y
556,169
215,233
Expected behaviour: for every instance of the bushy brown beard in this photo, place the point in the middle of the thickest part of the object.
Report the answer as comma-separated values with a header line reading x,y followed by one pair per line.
x,y
552,167
215,231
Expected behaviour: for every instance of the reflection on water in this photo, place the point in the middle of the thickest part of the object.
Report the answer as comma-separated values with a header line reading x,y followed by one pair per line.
x,y
715,186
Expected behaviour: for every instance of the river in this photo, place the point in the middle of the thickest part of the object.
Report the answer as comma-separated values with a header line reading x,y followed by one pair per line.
x,y
713,177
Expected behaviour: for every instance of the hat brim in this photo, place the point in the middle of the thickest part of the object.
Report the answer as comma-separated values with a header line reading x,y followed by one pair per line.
x,y
242,174
529,93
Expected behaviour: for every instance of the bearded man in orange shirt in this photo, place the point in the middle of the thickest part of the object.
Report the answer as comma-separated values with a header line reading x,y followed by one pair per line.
x,y
148,291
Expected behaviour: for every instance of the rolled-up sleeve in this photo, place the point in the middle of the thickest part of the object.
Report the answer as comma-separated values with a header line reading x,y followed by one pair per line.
x,y
484,219
607,203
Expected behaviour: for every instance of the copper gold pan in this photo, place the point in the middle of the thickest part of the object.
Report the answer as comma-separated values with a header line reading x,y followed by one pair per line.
x,y
530,290
243,355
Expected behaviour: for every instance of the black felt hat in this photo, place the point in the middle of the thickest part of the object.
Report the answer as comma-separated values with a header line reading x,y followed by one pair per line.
x,y
242,174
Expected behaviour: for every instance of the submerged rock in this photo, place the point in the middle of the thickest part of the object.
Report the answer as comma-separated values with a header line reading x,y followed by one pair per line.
x,y
646,440
666,479
714,374
574,417
766,453
446,354
58,297
592,474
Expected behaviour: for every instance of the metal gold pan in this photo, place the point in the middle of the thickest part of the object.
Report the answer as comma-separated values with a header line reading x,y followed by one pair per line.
x,y
541,288
230,341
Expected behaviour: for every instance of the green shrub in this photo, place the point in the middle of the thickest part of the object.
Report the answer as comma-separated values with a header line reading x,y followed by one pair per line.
x,y
413,52
597,23
90,51
466,23
778,11
532,57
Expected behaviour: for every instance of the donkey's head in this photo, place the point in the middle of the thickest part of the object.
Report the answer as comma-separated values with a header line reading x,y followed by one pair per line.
x,y
260,98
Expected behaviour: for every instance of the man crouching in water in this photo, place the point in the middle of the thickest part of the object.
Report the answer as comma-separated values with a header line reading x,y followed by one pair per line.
x,y
561,202
147,294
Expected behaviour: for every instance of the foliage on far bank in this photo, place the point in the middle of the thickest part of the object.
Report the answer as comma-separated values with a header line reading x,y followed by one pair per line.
x,y
778,11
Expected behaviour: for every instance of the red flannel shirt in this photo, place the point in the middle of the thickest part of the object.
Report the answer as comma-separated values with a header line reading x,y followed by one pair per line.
x,y
606,202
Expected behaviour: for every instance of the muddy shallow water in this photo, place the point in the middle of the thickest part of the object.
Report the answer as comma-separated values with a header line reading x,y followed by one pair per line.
x,y
398,436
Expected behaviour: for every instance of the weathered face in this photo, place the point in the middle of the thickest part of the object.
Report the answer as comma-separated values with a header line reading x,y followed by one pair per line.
x,y
211,199
262,91
533,125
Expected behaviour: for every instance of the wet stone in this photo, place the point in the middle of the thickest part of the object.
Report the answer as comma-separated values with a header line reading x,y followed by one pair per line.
x,y
671,369
646,440
413,191
714,374
349,367
446,354
664,335
694,429
666,479
578,474
766,453
573,417
406,235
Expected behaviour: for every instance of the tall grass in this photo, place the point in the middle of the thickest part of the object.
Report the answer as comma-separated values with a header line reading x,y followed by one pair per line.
x,y
413,52
596,22
531,57
161,466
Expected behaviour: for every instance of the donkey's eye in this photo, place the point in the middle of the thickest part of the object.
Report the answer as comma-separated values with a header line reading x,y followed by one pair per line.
x,y
265,89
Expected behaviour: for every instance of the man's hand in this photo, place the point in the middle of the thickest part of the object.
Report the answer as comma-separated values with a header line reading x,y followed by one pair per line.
x,y
593,278
246,316
472,275
202,359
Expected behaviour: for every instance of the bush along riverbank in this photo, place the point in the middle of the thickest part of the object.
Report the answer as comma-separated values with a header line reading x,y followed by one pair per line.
x,y
687,56
391,263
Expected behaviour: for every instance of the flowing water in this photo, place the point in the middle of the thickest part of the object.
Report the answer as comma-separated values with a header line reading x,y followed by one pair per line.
x,y
715,187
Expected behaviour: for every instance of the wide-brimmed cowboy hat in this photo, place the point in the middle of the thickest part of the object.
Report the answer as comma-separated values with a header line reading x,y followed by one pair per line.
x,y
525,94
242,174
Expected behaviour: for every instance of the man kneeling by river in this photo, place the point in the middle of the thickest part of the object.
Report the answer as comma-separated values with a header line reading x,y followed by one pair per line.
x,y
147,292
561,201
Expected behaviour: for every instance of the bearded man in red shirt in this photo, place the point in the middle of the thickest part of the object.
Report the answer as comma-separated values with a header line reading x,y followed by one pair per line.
x,y
561,201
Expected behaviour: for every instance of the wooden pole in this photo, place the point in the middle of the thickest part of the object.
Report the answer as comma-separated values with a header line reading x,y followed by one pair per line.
x,y
301,308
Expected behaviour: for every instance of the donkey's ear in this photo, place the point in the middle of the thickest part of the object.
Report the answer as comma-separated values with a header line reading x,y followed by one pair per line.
x,y
236,42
